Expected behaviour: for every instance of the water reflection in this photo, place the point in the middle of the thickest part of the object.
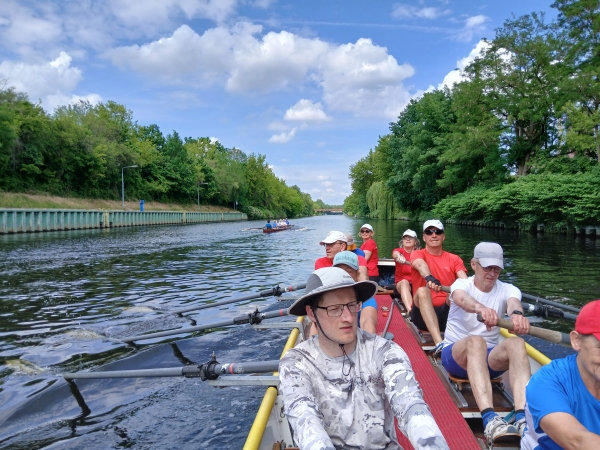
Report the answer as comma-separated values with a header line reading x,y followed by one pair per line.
x,y
68,296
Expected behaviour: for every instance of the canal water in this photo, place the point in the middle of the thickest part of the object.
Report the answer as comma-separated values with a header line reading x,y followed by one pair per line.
x,y
66,298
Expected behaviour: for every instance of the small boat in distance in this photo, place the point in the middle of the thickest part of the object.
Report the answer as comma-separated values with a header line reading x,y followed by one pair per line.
x,y
280,228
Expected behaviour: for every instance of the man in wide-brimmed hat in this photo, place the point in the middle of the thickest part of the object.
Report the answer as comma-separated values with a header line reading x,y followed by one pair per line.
x,y
341,387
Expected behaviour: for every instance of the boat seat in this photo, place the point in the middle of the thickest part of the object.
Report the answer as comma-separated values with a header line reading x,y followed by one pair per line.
x,y
458,382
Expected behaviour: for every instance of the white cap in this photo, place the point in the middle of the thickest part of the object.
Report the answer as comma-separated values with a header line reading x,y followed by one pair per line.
x,y
410,233
489,254
433,223
334,236
367,226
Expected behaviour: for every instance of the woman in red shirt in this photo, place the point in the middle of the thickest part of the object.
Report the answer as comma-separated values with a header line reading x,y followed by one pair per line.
x,y
402,276
369,246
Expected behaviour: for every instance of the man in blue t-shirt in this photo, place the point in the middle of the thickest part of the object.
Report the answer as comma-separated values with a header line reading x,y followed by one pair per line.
x,y
563,398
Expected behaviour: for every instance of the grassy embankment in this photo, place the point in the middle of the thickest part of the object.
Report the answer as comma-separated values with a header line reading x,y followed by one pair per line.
x,y
35,201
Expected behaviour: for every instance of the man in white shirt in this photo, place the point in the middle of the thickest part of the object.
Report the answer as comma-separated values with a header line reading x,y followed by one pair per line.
x,y
472,349
342,388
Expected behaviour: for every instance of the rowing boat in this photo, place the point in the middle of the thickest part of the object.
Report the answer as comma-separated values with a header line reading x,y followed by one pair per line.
x,y
274,230
451,401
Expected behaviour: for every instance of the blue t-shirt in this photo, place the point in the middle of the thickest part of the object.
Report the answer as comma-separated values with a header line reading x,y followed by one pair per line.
x,y
268,226
358,252
558,387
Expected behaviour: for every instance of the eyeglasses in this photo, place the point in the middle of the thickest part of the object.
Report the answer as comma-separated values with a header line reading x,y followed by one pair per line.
x,y
429,232
488,269
331,245
337,310
365,231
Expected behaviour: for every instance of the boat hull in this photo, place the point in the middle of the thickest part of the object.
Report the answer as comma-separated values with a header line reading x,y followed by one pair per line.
x,y
275,230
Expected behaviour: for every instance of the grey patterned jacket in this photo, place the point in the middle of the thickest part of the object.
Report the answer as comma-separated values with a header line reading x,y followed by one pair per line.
x,y
328,410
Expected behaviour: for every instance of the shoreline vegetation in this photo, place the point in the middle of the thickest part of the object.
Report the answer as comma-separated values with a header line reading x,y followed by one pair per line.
x,y
40,201
80,153
515,144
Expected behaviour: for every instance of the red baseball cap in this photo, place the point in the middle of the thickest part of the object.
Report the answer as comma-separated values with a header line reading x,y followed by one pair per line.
x,y
588,320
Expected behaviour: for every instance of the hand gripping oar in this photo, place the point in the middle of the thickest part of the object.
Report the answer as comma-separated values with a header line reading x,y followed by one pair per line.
x,y
209,371
276,292
253,318
549,335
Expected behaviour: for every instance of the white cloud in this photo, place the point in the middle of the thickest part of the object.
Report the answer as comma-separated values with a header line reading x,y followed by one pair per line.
x,y
32,27
285,137
364,79
306,111
474,25
361,78
401,11
264,4
51,82
329,182
456,76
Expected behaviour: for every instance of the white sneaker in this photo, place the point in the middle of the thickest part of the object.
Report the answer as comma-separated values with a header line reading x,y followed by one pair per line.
x,y
520,426
496,428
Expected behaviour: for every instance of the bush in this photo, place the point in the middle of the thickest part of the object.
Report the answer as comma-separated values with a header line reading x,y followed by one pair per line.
x,y
554,200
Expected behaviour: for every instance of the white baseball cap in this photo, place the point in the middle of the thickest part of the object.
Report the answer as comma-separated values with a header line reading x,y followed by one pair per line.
x,y
410,233
367,226
334,236
329,279
489,254
433,223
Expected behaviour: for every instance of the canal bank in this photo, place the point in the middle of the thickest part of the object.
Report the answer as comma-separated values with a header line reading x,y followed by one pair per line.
x,y
17,220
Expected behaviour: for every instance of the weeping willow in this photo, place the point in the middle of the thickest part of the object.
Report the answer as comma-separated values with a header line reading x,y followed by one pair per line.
x,y
380,202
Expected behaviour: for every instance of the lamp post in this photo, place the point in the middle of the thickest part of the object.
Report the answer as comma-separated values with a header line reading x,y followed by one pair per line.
x,y
123,183
199,184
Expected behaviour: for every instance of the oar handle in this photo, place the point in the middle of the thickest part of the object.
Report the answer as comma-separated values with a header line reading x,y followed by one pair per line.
x,y
549,335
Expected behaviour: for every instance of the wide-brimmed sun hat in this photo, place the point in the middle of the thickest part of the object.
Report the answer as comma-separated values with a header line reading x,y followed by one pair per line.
x,y
329,279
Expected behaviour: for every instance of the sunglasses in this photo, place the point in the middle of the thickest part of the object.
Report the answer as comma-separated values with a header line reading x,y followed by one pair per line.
x,y
365,231
436,231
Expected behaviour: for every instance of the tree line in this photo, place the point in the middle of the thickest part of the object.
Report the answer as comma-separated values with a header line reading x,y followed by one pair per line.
x,y
517,141
80,150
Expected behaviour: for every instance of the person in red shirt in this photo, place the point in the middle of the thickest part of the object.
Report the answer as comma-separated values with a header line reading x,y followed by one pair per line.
x,y
336,242
403,274
432,269
369,246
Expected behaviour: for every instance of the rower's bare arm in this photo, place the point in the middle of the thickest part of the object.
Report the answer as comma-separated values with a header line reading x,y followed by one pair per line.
x,y
397,256
421,266
461,274
469,304
521,323
363,273
367,254
568,432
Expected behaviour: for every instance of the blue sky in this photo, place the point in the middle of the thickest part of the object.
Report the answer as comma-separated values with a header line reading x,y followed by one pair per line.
x,y
310,84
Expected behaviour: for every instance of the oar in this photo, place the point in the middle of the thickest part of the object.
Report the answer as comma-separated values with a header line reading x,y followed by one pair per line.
x,y
547,311
276,292
247,229
253,318
550,302
549,335
209,371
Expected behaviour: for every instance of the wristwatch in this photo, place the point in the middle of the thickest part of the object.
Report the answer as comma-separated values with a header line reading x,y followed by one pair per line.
x,y
519,313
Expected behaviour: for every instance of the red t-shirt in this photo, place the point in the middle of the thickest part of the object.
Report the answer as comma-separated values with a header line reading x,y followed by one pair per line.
x,y
403,271
371,246
444,267
326,262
